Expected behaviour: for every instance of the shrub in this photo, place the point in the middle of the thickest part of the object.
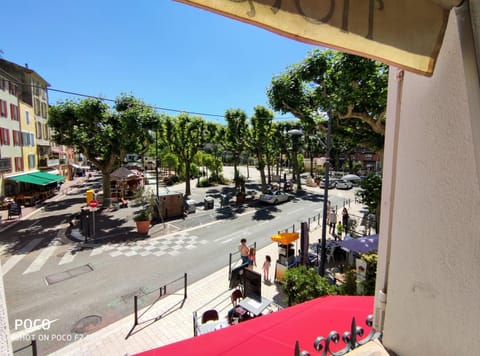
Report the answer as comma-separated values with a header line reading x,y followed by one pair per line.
x,y
304,284
204,182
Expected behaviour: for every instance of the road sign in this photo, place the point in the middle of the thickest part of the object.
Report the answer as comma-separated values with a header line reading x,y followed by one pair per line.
x,y
93,203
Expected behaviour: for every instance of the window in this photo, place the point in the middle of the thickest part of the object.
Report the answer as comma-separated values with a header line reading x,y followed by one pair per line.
x,y
32,139
36,88
44,110
39,130
12,88
4,136
3,84
27,117
36,106
17,138
18,164
31,161
3,108
14,112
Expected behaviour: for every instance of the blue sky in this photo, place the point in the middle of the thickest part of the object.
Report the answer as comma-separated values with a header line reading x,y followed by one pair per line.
x,y
168,54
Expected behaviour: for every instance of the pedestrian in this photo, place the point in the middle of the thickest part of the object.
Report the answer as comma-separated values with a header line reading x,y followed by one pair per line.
x,y
243,250
266,267
339,231
345,218
328,212
251,259
333,221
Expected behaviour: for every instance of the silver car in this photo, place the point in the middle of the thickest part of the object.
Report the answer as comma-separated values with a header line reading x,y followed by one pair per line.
x,y
274,197
343,184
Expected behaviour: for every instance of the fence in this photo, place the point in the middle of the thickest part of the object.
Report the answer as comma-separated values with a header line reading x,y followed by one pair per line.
x,y
162,291
356,222
32,344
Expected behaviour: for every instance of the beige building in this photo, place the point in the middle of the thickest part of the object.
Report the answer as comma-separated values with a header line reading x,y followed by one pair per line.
x,y
10,138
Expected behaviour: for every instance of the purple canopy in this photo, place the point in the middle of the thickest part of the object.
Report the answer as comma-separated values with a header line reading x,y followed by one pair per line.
x,y
360,245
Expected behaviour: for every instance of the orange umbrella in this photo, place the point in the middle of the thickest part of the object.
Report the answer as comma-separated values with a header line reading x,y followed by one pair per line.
x,y
285,237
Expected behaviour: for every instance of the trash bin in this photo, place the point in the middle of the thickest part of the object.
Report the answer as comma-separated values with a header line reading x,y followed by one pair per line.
x,y
208,203
85,222
190,206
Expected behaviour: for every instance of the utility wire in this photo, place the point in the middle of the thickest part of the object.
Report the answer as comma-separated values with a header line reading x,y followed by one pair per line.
x,y
151,106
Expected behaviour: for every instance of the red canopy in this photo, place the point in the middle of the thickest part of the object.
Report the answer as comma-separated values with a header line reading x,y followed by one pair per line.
x,y
276,333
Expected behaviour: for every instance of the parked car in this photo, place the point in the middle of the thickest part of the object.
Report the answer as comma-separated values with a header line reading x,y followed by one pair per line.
x,y
275,197
331,183
343,184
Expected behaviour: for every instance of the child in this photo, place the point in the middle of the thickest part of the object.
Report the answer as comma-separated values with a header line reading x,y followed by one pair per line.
x,y
266,267
251,259
339,230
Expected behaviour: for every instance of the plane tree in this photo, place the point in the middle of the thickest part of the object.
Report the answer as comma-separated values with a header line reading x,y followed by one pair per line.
x,y
259,139
234,136
184,135
103,134
351,87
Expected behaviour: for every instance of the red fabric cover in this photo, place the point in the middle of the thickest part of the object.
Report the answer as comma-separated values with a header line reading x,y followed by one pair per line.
x,y
276,333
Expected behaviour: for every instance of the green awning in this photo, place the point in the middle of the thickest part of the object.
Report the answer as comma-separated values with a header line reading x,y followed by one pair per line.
x,y
38,178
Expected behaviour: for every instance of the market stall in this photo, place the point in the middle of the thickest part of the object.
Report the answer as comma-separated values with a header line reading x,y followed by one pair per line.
x,y
286,252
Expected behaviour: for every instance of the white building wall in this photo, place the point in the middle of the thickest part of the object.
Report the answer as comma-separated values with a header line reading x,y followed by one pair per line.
x,y
429,249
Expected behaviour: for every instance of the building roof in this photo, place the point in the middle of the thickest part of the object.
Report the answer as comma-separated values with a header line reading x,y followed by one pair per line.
x,y
13,68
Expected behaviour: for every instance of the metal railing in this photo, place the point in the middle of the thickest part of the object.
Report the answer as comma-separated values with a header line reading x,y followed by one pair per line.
x,y
32,345
162,292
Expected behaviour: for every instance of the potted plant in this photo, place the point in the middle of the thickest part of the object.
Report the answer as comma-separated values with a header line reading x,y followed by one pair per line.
x,y
240,185
143,216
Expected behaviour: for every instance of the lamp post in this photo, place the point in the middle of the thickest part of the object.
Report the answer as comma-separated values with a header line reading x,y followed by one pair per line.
x,y
156,159
296,133
325,198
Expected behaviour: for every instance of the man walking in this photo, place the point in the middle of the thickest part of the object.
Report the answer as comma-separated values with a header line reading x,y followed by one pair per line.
x,y
243,250
333,221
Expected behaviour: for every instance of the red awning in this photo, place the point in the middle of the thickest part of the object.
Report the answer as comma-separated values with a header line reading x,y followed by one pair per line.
x,y
276,333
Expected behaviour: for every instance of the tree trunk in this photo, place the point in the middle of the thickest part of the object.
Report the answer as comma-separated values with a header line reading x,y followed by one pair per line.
x,y
187,179
107,195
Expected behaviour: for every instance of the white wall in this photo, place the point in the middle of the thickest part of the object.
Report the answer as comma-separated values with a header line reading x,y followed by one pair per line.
x,y
430,233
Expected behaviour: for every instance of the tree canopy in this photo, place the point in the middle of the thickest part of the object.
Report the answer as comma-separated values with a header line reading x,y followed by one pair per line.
x,y
104,135
352,87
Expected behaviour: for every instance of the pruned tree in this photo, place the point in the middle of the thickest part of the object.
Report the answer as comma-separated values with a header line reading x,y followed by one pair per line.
x,y
259,138
102,134
184,135
234,138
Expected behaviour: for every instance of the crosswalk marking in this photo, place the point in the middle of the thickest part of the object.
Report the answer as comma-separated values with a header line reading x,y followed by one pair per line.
x,y
42,258
67,257
12,261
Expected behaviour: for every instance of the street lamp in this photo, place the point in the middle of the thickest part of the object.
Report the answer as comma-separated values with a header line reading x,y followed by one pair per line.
x,y
296,133
157,161
325,197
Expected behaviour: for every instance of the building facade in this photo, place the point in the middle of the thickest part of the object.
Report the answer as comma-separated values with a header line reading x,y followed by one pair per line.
x,y
11,160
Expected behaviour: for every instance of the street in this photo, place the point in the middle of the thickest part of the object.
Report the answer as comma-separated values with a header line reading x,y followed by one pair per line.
x,y
79,290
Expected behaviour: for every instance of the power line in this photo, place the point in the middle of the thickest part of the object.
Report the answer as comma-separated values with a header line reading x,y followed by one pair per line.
x,y
151,106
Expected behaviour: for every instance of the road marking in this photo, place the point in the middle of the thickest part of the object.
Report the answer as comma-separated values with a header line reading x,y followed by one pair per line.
x,y
22,334
224,242
236,234
67,257
12,261
42,258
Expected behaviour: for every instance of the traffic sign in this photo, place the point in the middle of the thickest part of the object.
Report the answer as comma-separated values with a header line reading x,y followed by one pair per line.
x,y
93,203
